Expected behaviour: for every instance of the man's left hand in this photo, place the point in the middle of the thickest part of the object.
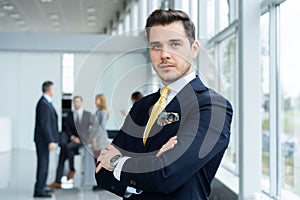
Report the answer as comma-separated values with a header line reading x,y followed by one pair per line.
x,y
105,156
76,140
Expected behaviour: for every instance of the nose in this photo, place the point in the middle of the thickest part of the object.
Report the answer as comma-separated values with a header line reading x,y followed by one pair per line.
x,y
165,54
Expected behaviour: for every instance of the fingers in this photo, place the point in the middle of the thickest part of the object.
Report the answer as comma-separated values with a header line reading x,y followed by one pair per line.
x,y
169,145
173,138
98,167
109,147
159,153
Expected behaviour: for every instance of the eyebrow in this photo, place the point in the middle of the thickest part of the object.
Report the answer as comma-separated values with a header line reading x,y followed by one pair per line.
x,y
175,40
172,40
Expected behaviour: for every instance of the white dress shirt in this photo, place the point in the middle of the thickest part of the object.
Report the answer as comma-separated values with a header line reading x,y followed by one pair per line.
x,y
78,113
175,87
48,98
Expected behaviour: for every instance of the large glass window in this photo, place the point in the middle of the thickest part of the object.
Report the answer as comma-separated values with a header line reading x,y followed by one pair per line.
x,y
228,72
265,107
211,23
223,16
290,97
67,73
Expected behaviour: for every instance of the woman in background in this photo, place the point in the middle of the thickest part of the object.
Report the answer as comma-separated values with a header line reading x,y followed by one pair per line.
x,y
98,129
103,112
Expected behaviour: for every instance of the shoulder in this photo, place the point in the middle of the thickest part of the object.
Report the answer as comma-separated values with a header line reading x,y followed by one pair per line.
x,y
146,100
85,112
42,102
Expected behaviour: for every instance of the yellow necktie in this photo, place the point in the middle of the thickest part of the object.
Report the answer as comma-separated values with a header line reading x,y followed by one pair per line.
x,y
158,107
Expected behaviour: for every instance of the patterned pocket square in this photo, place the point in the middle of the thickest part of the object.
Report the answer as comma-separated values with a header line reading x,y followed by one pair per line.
x,y
165,118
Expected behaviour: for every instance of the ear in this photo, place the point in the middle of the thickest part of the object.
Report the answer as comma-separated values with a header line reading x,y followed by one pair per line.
x,y
195,48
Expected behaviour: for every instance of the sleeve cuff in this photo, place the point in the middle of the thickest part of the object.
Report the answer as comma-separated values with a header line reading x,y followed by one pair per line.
x,y
118,168
130,191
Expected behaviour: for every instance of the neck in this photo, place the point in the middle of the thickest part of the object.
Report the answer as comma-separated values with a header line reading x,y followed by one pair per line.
x,y
47,94
166,83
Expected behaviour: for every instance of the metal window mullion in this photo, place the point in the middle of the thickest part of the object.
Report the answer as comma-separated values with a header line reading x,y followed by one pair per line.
x,y
227,32
237,102
217,16
278,105
273,104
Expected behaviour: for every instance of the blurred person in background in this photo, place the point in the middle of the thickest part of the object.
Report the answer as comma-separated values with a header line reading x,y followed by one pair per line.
x,y
134,97
77,130
98,129
45,137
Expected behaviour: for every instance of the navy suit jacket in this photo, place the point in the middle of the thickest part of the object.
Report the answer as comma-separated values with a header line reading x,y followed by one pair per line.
x,y
46,127
186,171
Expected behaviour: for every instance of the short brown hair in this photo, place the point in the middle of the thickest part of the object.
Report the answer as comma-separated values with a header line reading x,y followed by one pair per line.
x,y
46,86
136,96
165,17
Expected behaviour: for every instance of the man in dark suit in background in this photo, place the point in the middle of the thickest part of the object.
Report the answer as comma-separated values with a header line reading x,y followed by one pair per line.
x,y
45,137
183,107
77,128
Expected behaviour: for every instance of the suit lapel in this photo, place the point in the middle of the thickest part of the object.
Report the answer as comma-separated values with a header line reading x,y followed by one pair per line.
x,y
174,106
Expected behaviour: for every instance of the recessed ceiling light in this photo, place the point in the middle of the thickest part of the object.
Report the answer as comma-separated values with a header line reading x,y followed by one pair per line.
x,y
53,16
90,9
15,15
20,22
91,17
46,1
7,7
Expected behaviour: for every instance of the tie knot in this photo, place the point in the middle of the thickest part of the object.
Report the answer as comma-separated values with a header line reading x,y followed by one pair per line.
x,y
165,92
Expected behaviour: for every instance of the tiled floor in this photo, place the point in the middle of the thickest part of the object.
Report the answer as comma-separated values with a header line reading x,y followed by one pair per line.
x,y
17,177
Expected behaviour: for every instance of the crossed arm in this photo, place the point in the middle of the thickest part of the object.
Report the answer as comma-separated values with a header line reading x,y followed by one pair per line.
x,y
199,140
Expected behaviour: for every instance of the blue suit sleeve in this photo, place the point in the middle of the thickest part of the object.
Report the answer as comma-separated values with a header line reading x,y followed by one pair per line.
x,y
45,123
203,135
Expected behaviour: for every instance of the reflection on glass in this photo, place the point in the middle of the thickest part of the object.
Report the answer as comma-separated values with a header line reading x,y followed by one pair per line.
x,y
211,6
265,71
228,77
290,98
223,14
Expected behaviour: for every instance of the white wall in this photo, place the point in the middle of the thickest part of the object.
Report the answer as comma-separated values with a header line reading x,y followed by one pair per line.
x,y
22,74
115,75
21,77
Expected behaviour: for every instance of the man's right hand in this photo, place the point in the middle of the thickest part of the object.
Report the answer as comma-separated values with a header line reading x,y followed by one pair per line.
x,y
51,146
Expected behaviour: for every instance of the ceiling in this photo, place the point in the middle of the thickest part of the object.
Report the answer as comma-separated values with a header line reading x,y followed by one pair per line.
x,y
58,16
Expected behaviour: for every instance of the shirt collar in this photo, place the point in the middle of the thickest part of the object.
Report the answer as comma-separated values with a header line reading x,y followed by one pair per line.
x,y
48,98
79,111
180,83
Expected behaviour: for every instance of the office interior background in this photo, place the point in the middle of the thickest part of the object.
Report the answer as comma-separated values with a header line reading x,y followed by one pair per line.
x,y
253,45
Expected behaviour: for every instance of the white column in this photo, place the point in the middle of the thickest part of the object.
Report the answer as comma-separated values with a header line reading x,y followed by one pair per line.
x,y
6,134
202,28
250,100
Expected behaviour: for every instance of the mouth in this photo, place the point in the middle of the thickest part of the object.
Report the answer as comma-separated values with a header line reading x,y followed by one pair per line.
x,y
165,66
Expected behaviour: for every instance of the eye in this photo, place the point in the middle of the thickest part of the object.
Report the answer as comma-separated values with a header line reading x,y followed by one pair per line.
x,y
175,44
155,47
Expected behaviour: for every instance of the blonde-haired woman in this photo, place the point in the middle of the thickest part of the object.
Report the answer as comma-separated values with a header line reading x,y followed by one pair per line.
x,y
103,112
98,128
100,136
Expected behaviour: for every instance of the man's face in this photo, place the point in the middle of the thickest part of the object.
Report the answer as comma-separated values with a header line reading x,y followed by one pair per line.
x,y
77,103
171,52
50,92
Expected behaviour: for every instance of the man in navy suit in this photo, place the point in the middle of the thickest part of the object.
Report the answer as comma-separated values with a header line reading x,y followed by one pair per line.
x,y
45,137
180,155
